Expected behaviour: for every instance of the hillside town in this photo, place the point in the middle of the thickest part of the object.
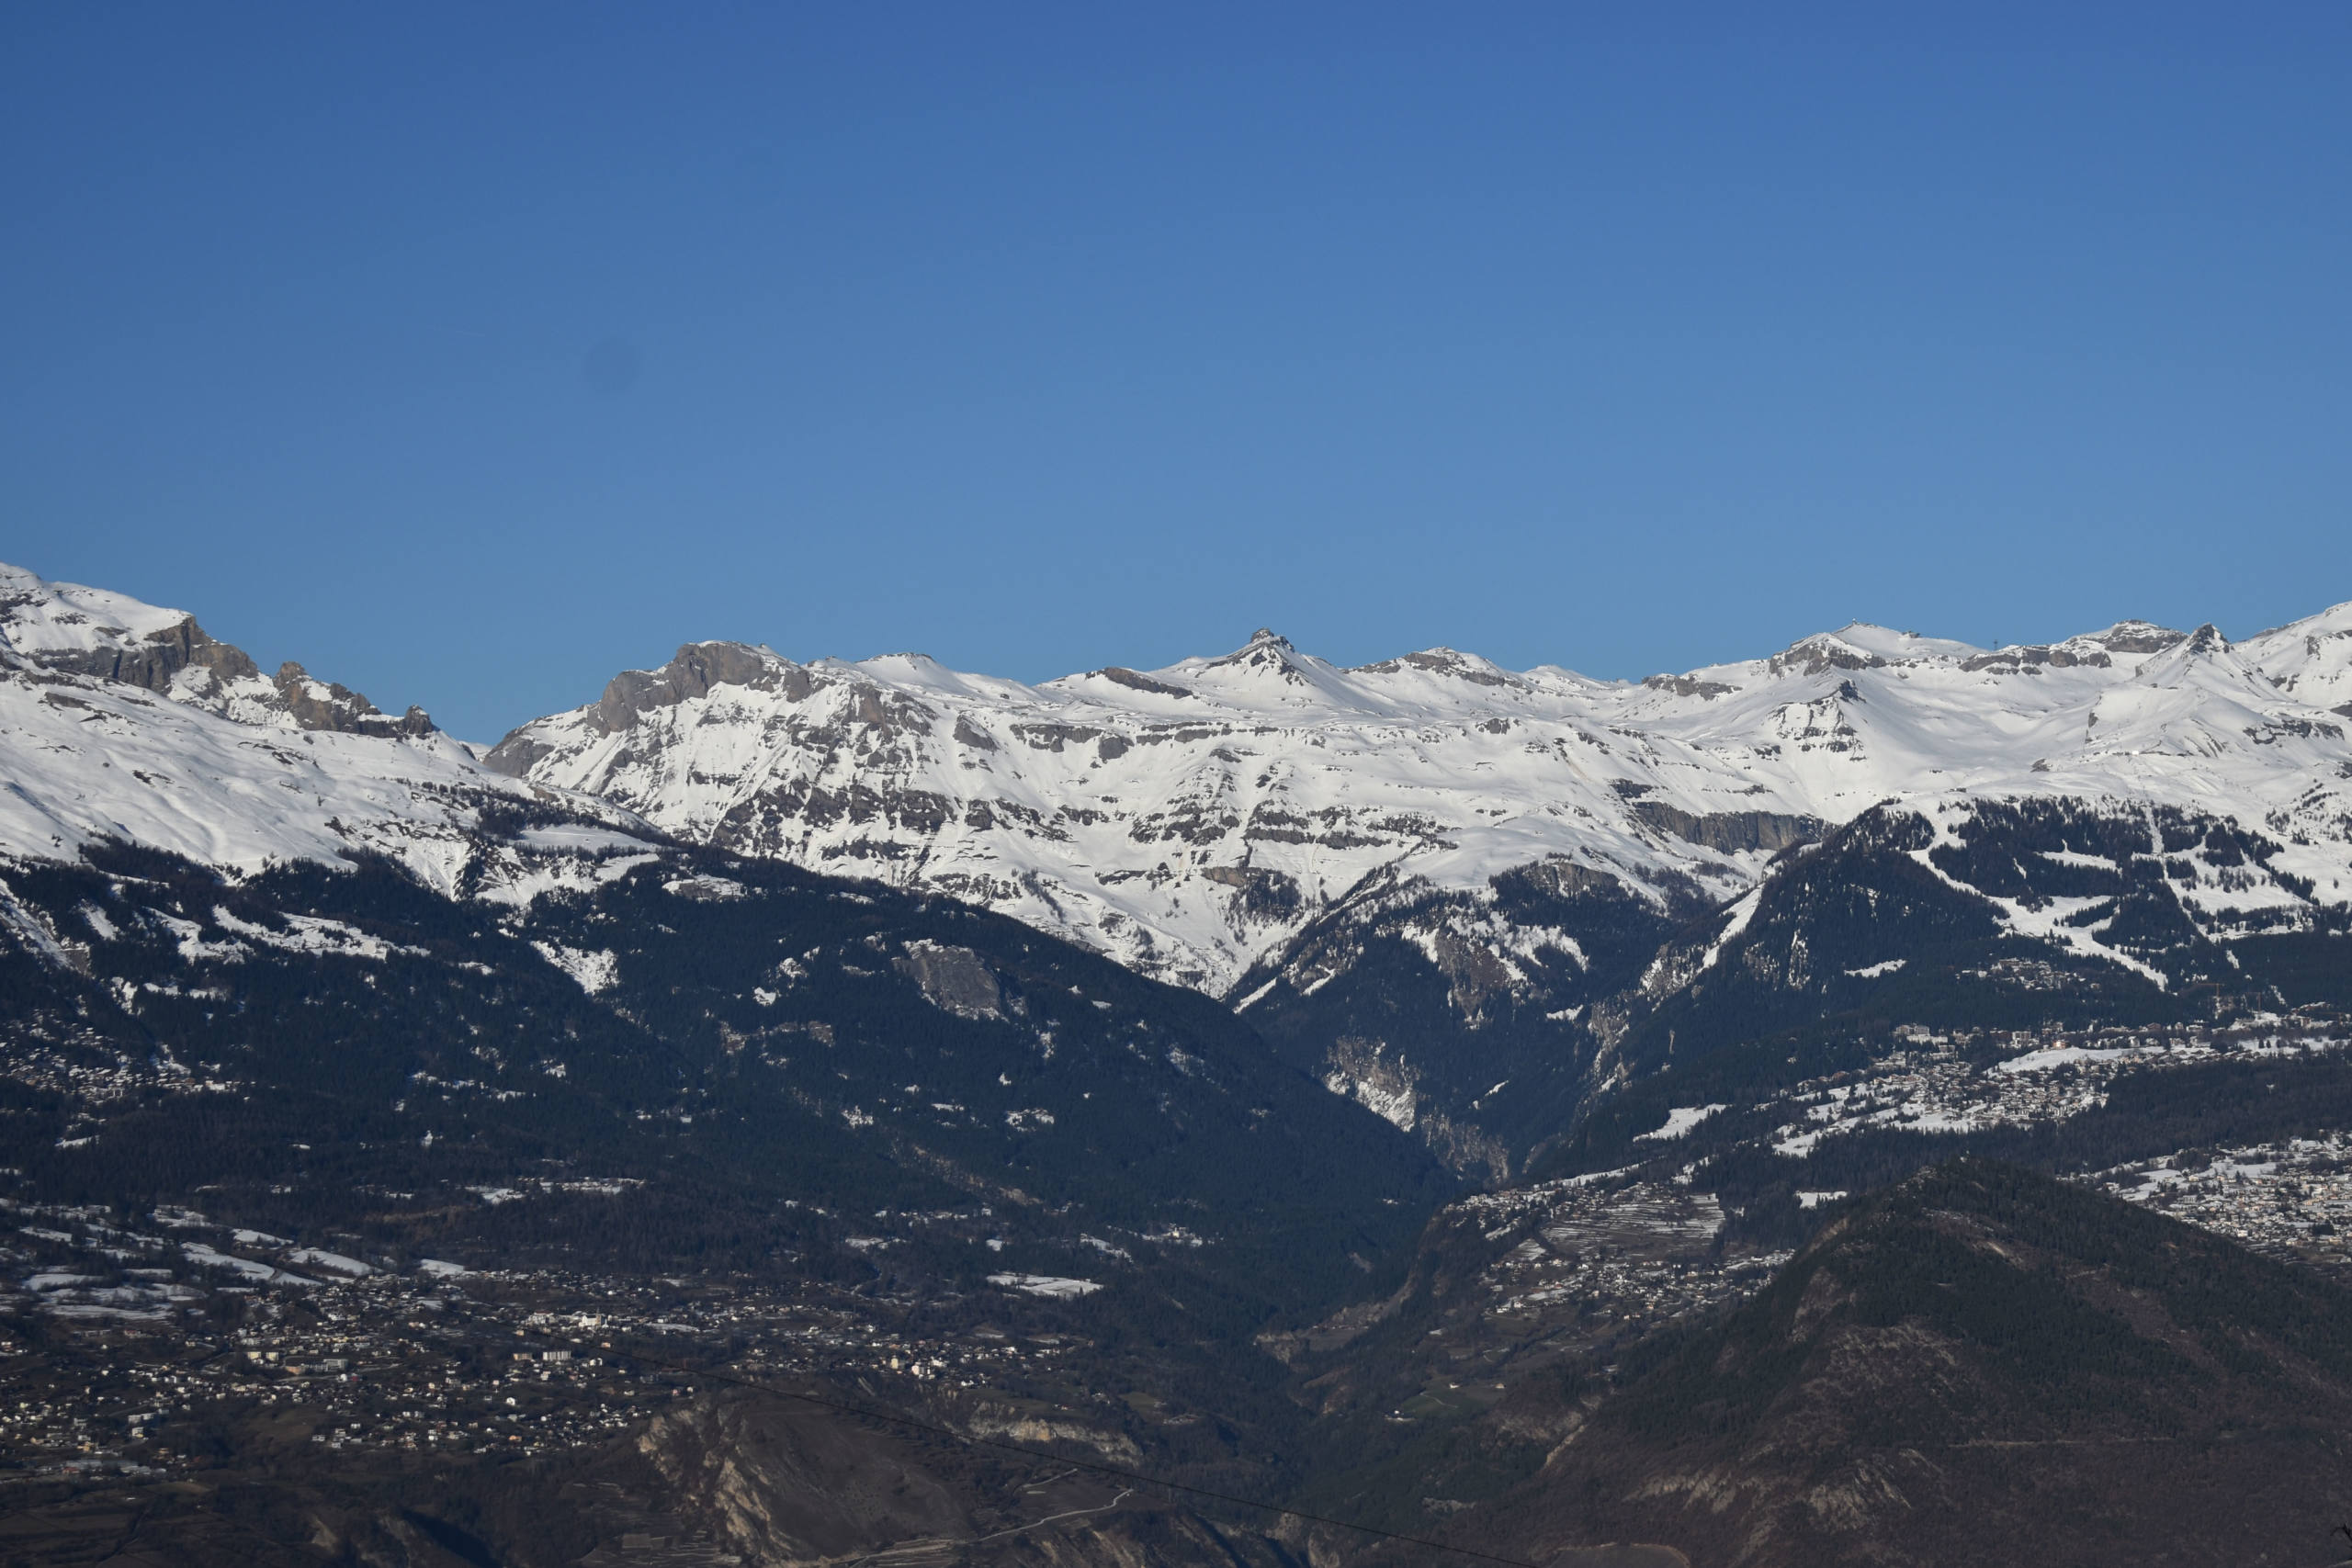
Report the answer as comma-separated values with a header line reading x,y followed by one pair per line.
x,y
154,1350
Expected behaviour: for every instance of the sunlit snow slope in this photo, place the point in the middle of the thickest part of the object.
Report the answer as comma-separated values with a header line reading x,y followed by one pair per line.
x,y
125,722
1191,820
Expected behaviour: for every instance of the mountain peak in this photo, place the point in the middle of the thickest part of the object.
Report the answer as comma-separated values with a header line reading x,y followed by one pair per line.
x,y
1450,662
1824,651
2135,637
57,622
89,631
1266,648
2206,638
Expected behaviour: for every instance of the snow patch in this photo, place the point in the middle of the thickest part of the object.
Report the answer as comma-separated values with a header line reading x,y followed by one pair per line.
x,y
1679,1122
1742,913
1045,1285
333,1262
593,972
314,934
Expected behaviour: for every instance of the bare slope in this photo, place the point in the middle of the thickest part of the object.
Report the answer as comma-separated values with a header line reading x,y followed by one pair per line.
x,y
1979,1366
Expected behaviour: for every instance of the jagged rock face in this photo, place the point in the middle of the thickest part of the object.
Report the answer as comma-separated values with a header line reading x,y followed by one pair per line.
x,y
110,637
1195,821
329,705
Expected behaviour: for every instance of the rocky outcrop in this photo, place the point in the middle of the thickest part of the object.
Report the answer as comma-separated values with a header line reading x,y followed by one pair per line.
x,y
1731,831
692,672
327,704
953,979
107,637
153,661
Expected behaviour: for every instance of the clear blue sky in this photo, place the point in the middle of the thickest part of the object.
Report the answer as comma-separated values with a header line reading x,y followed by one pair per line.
x,y
469,353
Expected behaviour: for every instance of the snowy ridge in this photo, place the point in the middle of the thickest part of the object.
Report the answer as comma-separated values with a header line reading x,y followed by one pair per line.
x,y
48,621
88,631
1192,821
90,758
1189,821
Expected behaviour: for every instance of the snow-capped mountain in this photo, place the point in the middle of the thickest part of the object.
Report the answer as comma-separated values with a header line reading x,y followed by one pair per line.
x,y
1193,821
1470,898
217,899
121,721
88,631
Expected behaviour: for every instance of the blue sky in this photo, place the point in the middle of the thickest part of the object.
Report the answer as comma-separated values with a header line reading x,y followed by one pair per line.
x,y
469,353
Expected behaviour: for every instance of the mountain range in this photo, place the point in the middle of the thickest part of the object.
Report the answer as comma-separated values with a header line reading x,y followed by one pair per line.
x,y
1193,821
1520,847
1378,1089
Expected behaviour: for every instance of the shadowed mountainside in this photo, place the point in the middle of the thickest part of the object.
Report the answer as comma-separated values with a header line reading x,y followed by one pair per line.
x,y
1979,1366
